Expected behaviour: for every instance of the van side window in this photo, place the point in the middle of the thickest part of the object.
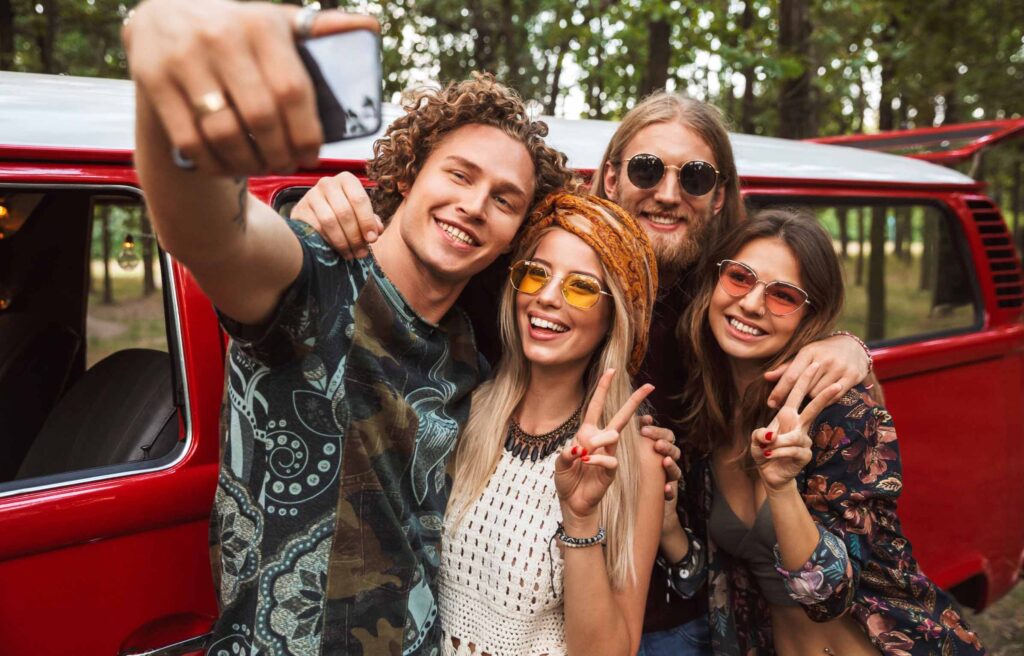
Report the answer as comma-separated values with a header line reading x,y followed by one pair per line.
x,y
905,265
87,383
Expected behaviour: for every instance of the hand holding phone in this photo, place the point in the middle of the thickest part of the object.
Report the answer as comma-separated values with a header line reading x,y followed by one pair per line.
x,y
221,78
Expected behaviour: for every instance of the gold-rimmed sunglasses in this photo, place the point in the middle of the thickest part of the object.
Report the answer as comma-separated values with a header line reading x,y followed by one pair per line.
x,y
578,289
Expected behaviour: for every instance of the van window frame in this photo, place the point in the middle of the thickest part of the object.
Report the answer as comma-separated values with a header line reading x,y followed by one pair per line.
x,y
957,233
176,350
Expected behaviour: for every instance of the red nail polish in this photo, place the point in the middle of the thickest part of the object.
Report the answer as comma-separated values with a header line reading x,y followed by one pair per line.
x,y
586,458
768,436
767,454
574,449
584,453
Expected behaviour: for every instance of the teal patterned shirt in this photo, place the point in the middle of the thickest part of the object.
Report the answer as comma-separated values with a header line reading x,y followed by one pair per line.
x,y
339,417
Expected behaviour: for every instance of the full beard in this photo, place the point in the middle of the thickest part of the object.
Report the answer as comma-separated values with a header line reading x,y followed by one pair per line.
x,y
675,252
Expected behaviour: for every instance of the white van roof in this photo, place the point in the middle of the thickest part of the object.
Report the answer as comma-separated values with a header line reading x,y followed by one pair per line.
x,y
58,111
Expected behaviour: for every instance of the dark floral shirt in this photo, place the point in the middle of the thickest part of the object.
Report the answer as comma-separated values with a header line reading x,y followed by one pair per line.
x,y
862,564
338,421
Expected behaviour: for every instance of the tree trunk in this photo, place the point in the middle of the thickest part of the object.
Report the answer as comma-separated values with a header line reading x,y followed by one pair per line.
x,y
748,106
844,235
48,39
596,85
556,78
929,253
659,49
859,277
510,45
108,288
6,35
148,251
796,106
876,276
903,234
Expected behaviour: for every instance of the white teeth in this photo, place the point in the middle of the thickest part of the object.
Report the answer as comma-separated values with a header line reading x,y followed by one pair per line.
x,y
455,233
537,322
662,219
744,328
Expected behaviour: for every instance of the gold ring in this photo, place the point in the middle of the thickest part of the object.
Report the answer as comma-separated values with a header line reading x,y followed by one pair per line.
x,y
210,103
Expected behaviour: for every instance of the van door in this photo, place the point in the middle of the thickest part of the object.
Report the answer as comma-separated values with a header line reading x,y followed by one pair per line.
x,y
110,376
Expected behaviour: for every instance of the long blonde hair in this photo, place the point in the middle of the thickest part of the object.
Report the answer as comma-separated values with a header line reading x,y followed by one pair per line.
x,y
495,401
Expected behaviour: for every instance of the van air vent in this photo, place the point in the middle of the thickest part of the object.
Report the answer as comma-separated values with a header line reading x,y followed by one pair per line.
x,y
1002,259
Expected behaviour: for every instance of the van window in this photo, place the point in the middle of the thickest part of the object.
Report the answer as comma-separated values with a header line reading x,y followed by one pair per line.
x,y
87,379
906,269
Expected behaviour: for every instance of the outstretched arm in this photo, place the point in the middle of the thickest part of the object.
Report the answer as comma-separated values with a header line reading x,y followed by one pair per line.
x,y
222,83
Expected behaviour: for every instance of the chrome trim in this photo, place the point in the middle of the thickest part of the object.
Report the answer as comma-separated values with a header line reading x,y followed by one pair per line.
x,y
172,289
186,646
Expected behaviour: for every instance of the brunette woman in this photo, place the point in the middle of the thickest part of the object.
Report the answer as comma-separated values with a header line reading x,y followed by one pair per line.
x,y
555,512
792,521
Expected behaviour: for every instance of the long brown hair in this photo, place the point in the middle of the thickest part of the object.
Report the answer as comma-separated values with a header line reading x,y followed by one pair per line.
x,y
709,392
703,118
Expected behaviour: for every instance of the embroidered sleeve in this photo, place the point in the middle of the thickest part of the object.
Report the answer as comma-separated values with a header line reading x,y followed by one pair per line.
x,y
852,484
293,327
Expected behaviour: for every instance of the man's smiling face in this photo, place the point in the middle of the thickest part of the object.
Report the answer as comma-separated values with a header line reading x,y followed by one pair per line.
x,y
468,201
674,219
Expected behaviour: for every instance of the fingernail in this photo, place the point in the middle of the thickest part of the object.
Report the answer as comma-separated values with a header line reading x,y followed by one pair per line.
x,y
584,453
767,454
371,236
575,449
768,436
586,458
772,403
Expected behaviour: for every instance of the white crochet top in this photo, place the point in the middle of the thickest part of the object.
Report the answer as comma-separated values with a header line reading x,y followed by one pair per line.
x,y
495,579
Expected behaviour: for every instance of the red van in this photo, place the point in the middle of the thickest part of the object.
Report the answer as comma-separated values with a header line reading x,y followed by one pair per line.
x,y
111,364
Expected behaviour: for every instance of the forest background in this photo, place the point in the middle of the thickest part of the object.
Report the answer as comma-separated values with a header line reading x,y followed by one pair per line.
x,y
786,68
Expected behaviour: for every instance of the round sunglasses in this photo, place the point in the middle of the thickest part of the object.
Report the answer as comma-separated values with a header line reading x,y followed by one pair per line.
x,y
696,178
578,289
780,298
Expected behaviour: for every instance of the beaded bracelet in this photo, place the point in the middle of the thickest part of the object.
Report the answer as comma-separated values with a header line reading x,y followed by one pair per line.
x,y
578,543
867,351
571,543
690,564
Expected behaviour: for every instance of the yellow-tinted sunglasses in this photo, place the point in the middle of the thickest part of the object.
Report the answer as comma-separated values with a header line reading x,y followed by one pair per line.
x,y
578,289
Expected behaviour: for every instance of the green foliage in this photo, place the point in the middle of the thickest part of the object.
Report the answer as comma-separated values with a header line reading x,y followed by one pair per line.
x,y
949,61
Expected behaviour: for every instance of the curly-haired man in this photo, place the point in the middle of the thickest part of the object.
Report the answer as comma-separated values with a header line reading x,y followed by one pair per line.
x,y
348,381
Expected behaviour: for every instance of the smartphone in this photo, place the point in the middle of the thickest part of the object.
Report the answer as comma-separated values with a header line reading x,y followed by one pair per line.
x,y
346,73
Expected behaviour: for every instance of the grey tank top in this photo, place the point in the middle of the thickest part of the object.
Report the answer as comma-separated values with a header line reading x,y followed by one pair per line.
x,y
752,545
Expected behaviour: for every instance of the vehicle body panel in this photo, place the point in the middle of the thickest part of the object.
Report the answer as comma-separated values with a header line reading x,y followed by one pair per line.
x,y
112,554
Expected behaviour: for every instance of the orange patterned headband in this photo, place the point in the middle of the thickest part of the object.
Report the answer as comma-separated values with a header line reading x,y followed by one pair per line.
x,y
621,244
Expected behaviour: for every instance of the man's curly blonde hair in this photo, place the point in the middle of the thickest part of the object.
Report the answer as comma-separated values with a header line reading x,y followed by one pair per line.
x,y
431,114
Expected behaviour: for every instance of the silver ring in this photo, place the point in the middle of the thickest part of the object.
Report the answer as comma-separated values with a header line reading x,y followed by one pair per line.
x,y
182,162
303,23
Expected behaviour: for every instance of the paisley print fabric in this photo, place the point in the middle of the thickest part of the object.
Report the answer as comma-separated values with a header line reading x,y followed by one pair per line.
x,y
862,564
339,417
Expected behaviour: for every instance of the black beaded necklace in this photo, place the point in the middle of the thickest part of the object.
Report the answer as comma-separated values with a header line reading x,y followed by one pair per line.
x,y
526,445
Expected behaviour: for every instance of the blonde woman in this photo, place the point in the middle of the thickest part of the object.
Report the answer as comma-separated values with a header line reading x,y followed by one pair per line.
x,y
554,518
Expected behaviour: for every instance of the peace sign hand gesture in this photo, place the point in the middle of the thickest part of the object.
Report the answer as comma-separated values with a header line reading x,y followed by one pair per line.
x,y
783,448
585,468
